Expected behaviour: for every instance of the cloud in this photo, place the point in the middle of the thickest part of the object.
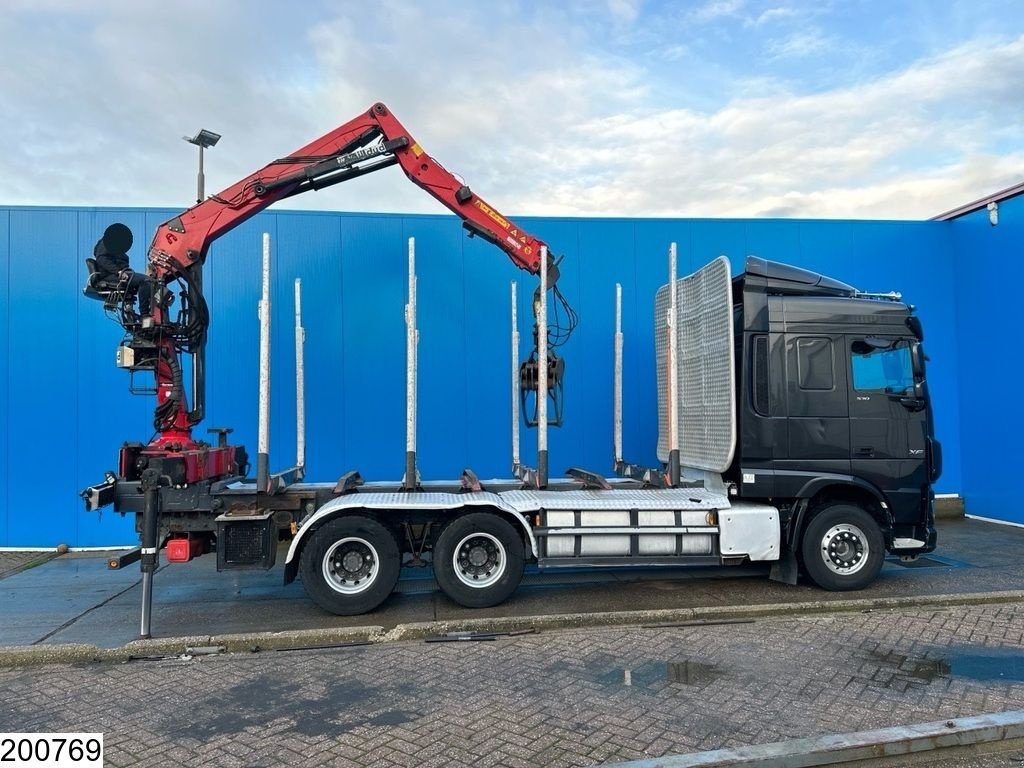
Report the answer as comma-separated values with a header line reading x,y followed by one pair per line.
x,y
907,145
527,104
771,15
798,44
625,10
715,9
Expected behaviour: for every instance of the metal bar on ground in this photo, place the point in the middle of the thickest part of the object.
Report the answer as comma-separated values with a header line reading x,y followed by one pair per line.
x,y
542,373
673,369
116,562
411,341
617,382
515,382
300,381
263,439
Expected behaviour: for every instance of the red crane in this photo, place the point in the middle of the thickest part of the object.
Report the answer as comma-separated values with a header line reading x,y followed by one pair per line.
x,y
368,143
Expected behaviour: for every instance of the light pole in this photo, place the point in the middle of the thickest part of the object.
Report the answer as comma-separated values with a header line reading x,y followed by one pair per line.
x,y
204,140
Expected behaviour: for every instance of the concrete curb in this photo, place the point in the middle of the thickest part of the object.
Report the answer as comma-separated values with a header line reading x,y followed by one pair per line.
x,y
418,630
13,656
31,655
879,746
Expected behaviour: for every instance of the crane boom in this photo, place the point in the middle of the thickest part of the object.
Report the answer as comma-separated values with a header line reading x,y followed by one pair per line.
x,y
370,142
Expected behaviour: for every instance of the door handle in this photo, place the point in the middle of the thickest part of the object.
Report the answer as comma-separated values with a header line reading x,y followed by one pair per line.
x,y
912,403
865,452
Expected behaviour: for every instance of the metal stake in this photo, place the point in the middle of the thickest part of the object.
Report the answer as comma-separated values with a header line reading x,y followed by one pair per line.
x,y
617,381
201,178
412,335
515,383
300,381
263,448
542,373
149,561
673,370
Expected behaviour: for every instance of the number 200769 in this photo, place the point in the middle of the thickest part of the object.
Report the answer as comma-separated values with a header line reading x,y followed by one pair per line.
x,y
53,750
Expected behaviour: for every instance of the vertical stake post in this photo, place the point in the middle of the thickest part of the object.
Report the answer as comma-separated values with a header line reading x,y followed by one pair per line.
x,y
515,382
300,381
149,559
617,382
263,439
542,373
673,370
411,341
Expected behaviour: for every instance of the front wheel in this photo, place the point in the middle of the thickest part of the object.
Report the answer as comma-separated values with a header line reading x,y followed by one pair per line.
x,y
843,548
350,565
478,560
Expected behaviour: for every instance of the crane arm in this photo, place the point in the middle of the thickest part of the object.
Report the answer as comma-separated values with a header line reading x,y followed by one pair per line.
x,y
368,143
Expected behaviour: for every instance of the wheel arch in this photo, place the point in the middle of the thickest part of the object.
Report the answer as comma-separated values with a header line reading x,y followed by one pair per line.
x,y
369,504
822,491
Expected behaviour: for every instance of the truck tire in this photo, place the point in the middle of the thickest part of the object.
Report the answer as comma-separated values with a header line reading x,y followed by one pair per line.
x,y
350,565
478,560
842,548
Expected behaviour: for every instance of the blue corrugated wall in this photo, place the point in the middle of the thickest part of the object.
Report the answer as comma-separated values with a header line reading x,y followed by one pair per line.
x,y
65,408
992,421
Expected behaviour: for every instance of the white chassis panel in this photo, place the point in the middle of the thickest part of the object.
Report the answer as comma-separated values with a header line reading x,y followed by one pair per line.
x,y
746,529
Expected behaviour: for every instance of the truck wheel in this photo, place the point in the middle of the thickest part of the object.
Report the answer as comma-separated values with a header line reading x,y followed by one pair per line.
x,y
478,560
842,548
350,565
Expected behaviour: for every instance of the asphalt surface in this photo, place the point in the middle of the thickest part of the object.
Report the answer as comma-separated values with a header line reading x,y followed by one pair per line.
x,y
75,599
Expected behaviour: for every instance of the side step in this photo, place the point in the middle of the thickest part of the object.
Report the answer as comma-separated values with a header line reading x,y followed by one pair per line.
x,y
545,563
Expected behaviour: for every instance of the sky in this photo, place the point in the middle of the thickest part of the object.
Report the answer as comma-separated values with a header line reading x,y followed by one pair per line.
x,y
713,108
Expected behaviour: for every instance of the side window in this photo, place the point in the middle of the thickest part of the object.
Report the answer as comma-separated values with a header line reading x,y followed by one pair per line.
x,y
881,368
760,374
814,363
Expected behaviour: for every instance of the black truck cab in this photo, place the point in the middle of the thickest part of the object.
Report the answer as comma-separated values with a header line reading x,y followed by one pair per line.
x,y
833,406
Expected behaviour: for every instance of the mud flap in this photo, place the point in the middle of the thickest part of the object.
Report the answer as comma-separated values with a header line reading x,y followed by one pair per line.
x,y
785,569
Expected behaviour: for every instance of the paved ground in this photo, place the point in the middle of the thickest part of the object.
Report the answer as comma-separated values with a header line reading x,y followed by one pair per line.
x,y
74,599
16,562
1012,759
554,699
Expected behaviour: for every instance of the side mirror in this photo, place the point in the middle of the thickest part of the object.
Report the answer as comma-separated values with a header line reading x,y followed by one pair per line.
x,y
917,360
914,324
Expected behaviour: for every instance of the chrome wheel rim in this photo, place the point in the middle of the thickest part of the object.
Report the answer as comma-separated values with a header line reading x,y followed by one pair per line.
x,y
479,560
845,549
351,565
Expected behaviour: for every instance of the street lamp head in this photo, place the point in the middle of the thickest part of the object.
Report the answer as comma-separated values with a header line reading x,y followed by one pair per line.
x,y
204,138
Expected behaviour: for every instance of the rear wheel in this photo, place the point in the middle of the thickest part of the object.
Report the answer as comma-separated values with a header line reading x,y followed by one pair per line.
x,y
350,565
842,548
478,560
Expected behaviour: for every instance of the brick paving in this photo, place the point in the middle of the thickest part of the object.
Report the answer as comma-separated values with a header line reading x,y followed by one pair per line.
x,y
15,562
552,699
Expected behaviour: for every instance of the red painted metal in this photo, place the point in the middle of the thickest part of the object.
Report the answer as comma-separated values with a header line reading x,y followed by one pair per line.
x,y
183,242
185,548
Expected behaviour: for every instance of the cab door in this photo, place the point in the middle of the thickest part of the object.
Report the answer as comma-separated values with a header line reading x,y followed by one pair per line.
x,y
816,402
888,421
